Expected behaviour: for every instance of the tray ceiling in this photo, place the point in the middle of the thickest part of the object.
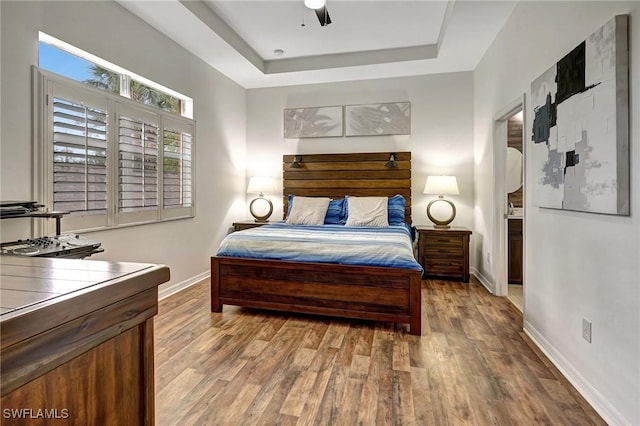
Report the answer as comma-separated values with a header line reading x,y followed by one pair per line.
x,y
275,43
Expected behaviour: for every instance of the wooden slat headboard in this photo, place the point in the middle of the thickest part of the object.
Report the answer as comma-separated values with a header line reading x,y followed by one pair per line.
x,y
338,175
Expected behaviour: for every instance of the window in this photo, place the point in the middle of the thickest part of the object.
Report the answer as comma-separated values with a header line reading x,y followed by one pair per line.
x,y
79,157
138,164
149,96
69,61
108,160
176,167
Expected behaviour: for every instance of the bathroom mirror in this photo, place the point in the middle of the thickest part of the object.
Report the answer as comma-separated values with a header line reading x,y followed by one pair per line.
x,y
514,169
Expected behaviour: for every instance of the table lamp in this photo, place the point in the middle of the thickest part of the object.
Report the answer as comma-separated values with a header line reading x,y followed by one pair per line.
x,y
259,185
441,186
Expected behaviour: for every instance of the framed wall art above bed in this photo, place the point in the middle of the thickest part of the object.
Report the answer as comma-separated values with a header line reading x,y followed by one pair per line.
x,y
313,122
392,118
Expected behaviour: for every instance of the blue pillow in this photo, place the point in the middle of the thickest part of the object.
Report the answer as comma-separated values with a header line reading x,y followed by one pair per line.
x,y
289,204
335,211
395,210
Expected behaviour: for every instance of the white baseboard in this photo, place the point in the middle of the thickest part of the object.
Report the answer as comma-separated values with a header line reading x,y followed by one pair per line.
x,y
483,280
599,403
166,291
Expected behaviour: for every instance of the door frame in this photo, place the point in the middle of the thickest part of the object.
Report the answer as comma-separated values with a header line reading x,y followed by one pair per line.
x,y
500,234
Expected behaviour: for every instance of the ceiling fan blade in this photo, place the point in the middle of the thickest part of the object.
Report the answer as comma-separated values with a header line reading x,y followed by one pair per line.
x,y
323,16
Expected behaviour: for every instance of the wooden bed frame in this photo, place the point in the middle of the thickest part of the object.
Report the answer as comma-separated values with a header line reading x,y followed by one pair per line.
x,y
348,291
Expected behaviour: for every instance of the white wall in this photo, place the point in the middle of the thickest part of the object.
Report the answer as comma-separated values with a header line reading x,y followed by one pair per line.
x,y
441,139
109,31
578,265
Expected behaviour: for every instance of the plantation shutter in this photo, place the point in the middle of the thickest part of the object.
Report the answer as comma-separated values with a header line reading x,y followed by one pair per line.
x,y
177,167
79,162
109,161
138,159
80,158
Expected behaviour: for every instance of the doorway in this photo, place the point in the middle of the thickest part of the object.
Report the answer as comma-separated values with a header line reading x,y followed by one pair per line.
x,y
509,241
514,188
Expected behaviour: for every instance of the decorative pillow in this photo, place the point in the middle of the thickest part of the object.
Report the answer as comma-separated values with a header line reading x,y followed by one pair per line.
x,y
395,208
308,210
335,212
290,198
367,211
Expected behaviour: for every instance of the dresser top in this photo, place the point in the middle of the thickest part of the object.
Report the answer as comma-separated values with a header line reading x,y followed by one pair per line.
x,y
27,281
38,293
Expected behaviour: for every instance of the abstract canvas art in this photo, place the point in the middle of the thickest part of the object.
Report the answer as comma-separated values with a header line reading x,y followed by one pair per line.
x,y
315,122
580,129
378,119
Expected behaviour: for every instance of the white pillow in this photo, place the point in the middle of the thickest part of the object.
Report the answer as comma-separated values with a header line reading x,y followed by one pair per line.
x,y
308,211
367,211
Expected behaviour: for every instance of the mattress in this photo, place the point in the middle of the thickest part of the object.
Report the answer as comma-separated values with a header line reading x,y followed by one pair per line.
x,y
389,246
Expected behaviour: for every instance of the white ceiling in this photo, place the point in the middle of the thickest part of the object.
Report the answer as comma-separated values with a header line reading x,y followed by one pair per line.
x,y
366,39
356,25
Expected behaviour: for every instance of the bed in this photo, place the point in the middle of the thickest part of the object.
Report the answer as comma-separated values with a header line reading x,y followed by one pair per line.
x,y
306,285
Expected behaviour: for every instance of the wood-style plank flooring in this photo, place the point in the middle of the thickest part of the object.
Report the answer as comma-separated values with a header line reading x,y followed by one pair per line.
x,y
472,365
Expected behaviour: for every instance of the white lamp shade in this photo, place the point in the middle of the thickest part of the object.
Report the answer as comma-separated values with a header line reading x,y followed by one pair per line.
x,y
441,185
258,185
314,4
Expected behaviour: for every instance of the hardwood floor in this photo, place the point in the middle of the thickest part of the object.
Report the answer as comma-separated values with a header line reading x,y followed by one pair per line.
x,y
516,296
472,365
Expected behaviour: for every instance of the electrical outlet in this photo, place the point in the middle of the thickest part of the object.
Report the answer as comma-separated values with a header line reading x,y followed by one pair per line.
x,y
586,330
488,257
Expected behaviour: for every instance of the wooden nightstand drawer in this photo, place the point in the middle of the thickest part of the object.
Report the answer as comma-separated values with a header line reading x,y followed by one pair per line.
x,y
444,253
444,250
444,260
442,268
444,240
444,263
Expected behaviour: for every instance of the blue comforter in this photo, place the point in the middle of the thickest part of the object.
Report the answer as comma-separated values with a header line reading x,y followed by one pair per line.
x,y
391,246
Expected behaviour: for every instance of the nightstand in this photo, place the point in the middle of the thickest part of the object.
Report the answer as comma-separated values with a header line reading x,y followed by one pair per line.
x,y
444,253
247,224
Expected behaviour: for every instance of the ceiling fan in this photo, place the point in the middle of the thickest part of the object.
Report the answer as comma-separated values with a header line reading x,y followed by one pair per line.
x,y
320,7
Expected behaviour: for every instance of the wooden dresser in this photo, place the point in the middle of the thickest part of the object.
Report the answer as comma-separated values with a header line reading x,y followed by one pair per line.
x,y
444,253
77,341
